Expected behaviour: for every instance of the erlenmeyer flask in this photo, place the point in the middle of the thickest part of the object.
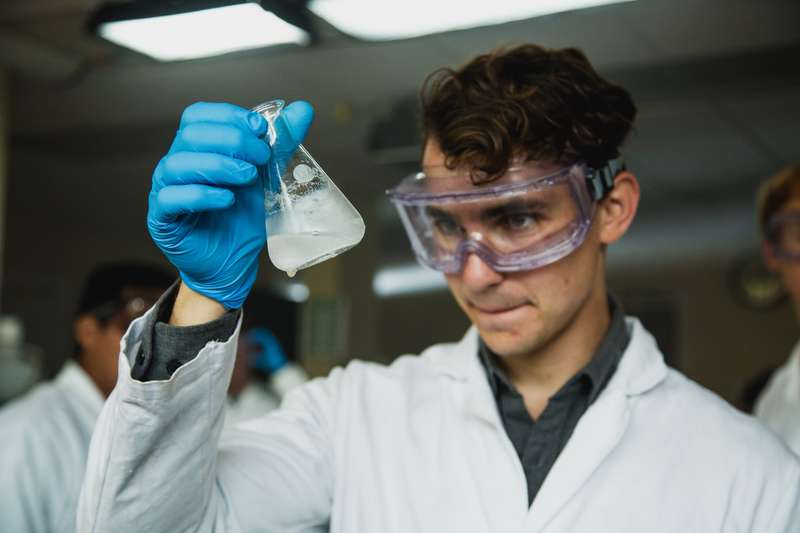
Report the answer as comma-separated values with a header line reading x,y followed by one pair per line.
x,y
309,220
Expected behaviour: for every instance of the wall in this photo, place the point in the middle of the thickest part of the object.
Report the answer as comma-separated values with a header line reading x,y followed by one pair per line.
x,y
719,343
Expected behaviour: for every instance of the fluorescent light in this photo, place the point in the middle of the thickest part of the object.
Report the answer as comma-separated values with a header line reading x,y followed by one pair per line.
x,y
204,33
408,279
376,20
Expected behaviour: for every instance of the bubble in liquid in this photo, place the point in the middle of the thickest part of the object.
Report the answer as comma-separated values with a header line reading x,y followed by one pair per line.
x,y
291,273
303,173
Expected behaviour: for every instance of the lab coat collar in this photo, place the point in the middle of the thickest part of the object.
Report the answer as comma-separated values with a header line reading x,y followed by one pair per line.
x,y
598,432
641,368
74,379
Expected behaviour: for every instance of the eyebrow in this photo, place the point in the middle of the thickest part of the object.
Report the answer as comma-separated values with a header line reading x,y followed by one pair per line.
x,y
493,212
514,206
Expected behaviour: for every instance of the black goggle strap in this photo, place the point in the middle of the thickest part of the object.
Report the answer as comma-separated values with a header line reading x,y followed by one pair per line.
x,y
601,180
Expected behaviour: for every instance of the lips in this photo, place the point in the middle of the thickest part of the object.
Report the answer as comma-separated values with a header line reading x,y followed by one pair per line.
x,y
494,310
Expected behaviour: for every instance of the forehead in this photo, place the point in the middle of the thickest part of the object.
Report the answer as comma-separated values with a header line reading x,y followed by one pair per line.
x,y
542,201
433,163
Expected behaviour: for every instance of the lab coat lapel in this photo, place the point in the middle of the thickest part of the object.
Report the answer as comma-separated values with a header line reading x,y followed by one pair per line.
x,y
500,484
595,436
601,428
464,365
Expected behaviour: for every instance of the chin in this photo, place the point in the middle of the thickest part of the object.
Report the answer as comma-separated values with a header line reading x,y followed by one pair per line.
x,y
504,343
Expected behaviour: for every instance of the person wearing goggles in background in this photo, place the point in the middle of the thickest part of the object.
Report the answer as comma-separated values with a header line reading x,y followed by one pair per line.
x,y
778,406
46,432
554,413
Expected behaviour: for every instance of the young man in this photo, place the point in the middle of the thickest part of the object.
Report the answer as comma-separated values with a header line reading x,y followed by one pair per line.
x,y
778,406
553,413
46,433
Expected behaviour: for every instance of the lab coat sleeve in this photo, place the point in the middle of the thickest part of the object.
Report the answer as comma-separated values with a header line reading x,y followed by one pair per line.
x,y
156,463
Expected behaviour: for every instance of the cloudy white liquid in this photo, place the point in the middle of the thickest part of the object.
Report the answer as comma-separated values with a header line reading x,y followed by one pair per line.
x,y
312,229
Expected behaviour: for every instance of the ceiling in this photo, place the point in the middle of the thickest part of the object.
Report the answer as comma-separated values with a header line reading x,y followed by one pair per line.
x,y
716,82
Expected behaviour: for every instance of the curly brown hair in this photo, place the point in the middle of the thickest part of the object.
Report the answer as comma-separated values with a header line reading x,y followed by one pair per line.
x,y
526,102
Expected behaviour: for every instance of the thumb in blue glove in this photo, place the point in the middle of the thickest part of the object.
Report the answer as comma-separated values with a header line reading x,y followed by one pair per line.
x,y
206,203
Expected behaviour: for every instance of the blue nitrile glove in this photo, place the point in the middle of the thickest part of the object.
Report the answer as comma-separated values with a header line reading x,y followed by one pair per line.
x,y
206,204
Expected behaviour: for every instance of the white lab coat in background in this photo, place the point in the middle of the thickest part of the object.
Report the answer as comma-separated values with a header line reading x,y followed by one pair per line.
x,y
418,446
259,398
44,440
779,404
255,400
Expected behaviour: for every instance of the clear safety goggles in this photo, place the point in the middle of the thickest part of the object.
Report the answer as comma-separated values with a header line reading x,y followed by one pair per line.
x,y
520,221
783,234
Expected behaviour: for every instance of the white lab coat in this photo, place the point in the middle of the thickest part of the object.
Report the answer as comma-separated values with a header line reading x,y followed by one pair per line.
x,y
418,446
779,405
44,440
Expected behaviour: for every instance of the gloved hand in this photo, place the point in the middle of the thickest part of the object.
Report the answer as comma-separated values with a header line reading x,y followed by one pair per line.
x,y
206,203
269,355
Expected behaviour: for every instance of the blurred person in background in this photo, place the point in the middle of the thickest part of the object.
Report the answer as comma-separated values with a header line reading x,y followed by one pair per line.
x,y
46,432
778,406
554,413
262,375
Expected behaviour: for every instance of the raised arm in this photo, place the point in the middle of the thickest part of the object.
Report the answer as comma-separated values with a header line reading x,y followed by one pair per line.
x,y
156,462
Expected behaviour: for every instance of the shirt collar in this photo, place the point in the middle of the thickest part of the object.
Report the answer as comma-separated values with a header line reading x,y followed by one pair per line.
x,y
599,369
608,354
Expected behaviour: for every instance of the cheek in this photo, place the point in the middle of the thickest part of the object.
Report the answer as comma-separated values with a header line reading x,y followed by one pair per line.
x,y
560,279
113,338
558,290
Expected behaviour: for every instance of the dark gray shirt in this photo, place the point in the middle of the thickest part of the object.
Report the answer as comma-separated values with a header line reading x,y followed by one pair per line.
x,y
165,348
539,442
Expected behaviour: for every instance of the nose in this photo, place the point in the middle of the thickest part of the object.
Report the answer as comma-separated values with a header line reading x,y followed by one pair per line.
x,y
477,275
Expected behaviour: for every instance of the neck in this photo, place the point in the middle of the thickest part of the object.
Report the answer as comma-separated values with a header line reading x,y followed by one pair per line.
x,y
94,374
541,373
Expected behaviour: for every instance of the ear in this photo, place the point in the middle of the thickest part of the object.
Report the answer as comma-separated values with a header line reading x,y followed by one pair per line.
x,y
86,330
617,210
